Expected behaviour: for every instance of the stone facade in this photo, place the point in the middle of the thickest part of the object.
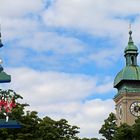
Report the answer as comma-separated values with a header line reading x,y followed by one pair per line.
x,y
123,107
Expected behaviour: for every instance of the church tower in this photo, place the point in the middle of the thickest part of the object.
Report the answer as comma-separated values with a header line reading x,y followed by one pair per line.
x,y
127,83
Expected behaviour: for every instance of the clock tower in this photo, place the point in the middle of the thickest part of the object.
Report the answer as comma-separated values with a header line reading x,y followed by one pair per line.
x,y
127,83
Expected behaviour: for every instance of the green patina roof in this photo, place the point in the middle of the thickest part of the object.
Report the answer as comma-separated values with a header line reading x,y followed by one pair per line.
x,y
131,71
131,47
128,73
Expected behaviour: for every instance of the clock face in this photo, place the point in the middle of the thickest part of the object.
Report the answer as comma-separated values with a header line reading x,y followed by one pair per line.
x,y
120,111
135,109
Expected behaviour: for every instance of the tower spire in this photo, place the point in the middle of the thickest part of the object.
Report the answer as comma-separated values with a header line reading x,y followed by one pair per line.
x,y
131,51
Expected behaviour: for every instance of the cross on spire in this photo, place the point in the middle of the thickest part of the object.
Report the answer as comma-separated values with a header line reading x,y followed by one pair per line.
x,y
130,34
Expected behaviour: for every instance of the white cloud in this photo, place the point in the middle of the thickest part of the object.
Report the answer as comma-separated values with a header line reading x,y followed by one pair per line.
x,y
96,17
89,16
22,22
124,8
19,18
105,88
92,116
51,41
105,57
55,86
18,8
18,28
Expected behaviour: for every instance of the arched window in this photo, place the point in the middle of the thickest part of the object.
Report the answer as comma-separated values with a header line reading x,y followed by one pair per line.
x,y
132,60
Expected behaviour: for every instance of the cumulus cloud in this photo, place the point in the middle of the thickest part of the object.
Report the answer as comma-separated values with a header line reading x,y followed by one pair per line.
x,y
51,41
18,28
55,86
108,56
19,18
96,17
24,26
18,8
99,18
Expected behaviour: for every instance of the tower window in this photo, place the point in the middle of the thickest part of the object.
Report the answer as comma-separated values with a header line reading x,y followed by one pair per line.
x,y
132,60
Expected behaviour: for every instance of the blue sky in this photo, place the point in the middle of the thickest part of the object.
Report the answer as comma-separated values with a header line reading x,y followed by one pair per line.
x,y
63,55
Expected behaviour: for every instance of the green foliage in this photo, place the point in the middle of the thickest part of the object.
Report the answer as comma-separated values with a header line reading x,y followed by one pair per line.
x,y
34,128
61,129
136,129
109,127
124,132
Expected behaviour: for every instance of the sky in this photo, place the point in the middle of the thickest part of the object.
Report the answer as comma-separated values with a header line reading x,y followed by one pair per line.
x,y
63,55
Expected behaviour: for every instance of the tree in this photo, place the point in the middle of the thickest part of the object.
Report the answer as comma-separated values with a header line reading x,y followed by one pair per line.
x,y
109,127
29,121
136,129
57,130
124,132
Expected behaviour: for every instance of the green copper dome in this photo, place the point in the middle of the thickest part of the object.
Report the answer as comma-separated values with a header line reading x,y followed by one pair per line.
x,y
130,47
128,73
131,71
